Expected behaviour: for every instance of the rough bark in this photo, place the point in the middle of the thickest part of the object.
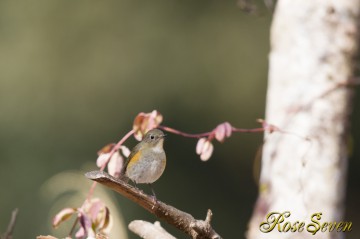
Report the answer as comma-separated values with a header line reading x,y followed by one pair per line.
x,y
313,45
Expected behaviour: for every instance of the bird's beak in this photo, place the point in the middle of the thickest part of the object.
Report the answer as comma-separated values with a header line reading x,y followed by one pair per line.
x,y
164,136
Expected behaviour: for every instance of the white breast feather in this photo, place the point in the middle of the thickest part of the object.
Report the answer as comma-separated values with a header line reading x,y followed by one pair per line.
x,y
158,148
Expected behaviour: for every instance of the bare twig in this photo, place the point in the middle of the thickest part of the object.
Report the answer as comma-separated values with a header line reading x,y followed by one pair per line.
x,y
178,132
197,229
10,229
148,230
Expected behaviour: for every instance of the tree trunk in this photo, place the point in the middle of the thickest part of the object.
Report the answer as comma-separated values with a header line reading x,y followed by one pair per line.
x,y
313,48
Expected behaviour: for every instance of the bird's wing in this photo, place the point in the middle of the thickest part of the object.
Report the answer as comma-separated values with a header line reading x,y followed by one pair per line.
x,y
132,154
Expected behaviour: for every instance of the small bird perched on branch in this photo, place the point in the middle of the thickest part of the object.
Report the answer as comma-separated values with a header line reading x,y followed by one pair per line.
x,y
147,160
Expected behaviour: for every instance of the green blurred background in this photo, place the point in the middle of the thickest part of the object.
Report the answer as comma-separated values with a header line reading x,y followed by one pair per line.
x,y
74,74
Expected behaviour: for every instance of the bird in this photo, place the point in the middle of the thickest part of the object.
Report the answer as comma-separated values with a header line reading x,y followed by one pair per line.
x,y
147,160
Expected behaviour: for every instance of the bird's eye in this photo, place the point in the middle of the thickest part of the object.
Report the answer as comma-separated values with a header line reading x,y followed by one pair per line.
x,y
152,137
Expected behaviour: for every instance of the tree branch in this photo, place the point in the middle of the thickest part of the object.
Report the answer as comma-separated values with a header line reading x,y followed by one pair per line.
x,y
197,229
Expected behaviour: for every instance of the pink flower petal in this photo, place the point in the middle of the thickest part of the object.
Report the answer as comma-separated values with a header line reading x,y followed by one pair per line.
x,y
80,233
85,227
115,164
200,145
207,151
62,216
223,131
228,129
102,159
206,146
220,132
93,208
125,151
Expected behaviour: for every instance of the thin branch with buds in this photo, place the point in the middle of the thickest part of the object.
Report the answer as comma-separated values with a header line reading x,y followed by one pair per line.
x,y
109,156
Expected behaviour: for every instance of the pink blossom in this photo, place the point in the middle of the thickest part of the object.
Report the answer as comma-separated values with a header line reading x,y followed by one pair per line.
x,y
223,131
104,154
146,121
204,148
115,164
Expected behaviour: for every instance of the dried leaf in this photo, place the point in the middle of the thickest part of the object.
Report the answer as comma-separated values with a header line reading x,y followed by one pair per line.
x,y
106,149
144,122
62,216
107,222
101,236
95,217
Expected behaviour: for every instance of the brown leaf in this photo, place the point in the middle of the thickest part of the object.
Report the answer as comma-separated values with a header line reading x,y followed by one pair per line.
x,y
62,216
